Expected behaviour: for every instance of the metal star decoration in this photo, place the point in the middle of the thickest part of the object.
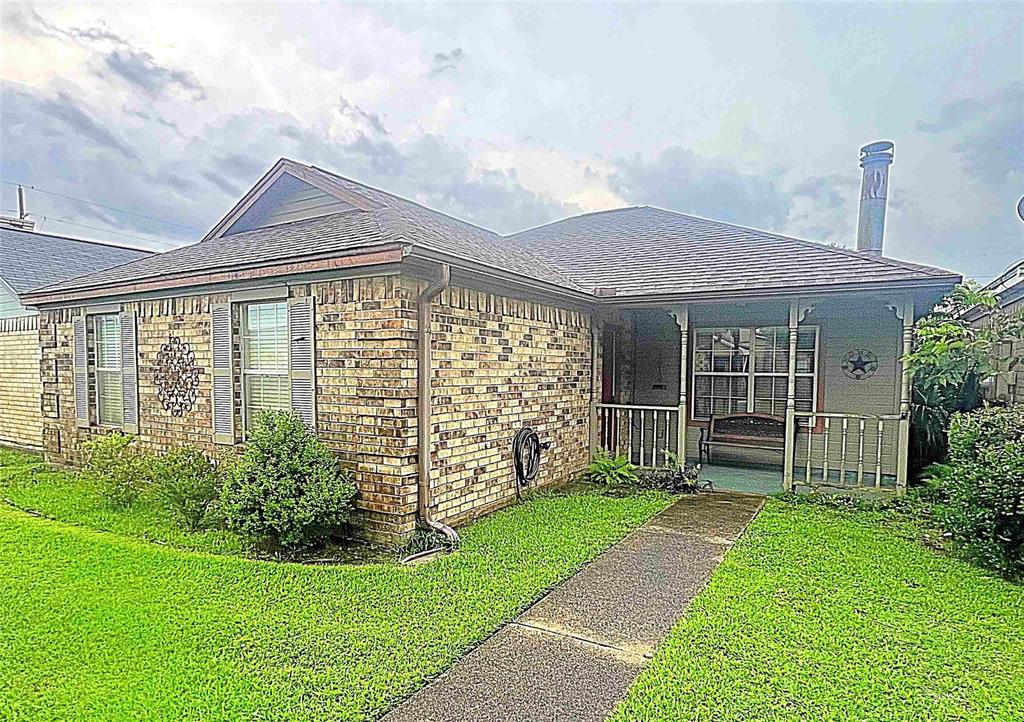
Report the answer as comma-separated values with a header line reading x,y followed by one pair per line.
x,y
860,364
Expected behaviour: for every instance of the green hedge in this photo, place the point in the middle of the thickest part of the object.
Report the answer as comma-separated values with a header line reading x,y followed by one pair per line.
x,y
984,488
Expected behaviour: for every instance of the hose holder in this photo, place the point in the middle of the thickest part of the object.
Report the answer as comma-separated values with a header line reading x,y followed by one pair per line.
x,y
526,448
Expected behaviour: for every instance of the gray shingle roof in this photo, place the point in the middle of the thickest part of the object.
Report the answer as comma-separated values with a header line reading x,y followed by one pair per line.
x,y
643,251
392,220
638,251
312,237
29,260
437,231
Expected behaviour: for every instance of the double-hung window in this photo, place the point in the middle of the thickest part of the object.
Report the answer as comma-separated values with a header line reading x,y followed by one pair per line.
x,y
265,381
743,370
107,342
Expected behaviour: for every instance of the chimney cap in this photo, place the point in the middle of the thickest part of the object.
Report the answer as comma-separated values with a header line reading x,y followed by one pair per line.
x,y
879,146
879,151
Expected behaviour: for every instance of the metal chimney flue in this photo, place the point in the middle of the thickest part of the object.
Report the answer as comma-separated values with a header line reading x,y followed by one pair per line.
x,y
875,159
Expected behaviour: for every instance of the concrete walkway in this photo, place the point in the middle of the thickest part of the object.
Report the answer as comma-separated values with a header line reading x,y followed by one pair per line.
x,y
572,655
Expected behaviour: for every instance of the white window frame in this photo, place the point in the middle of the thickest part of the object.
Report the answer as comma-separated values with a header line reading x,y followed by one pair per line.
x,y
247,373
108,374
751,374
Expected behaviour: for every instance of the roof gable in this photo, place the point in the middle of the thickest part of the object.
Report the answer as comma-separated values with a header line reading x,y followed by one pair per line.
x,y
306,174
285,200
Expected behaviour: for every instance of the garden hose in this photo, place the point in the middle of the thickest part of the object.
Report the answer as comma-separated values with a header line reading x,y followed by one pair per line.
x,y
526,448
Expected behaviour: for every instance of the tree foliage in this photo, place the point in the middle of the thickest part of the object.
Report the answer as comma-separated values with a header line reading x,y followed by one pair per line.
x,y
950,359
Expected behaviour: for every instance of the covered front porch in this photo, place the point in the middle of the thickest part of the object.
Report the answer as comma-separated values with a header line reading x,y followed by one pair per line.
x,y
775,393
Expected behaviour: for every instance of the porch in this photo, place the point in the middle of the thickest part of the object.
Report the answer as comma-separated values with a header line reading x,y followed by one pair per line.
x,y
824,370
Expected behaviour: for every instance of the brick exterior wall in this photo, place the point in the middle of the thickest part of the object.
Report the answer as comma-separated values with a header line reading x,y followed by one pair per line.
x,y
20,387
366,394
499,364
187,318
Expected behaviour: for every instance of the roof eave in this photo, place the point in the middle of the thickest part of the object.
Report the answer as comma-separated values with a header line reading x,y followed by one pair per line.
x,y
486,271
360,257
907,285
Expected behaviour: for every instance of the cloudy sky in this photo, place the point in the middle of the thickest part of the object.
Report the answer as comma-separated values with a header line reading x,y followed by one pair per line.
x,y
513,115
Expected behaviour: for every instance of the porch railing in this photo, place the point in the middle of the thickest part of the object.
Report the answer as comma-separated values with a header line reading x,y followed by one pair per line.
x,y
643,433
848,448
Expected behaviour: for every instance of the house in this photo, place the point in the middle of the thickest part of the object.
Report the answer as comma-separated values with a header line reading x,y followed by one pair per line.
x,y
1007,385
29,260
629,329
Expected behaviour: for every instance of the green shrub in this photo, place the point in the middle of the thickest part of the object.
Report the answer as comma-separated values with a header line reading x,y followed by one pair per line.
x,y
120,468
983,487
287,486
187,484
610,470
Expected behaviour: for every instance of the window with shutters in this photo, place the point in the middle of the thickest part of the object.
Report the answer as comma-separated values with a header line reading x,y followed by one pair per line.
x,y
107,344
745,370
265,343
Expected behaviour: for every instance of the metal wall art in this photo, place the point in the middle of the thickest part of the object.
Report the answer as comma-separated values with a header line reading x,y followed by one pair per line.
x,y
860,364
177,378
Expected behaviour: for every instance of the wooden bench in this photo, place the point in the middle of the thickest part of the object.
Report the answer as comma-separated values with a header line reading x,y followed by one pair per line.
x,y
747,431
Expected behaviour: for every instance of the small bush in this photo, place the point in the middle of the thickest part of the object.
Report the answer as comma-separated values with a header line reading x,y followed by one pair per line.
x,y
119,466
610,470
187,483
983,487
287,486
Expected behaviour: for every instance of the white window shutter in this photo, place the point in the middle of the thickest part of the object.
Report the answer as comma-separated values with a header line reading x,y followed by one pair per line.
x,y
129,373
81,371
223,388
301,359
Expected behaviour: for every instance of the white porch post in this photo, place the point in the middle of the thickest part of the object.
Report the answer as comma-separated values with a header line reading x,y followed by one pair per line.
x,y
904,433
789,450
596,370
682,316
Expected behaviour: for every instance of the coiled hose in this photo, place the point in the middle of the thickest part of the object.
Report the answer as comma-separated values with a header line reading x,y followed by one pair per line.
x,y
526,447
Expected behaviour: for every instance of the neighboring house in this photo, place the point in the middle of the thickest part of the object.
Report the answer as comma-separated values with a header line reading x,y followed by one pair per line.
x,y
331,298
28,260
1007,385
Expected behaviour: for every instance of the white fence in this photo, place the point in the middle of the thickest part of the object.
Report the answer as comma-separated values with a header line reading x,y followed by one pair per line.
x,y
643,433
850,448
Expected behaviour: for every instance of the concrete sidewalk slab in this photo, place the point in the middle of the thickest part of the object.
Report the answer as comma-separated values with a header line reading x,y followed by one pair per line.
x,y
526,675
575,653
630,597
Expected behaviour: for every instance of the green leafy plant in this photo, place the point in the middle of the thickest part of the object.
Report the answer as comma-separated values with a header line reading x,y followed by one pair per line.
x,y
187,483
983,486
673,478
121,469
425,539
610,470
287,486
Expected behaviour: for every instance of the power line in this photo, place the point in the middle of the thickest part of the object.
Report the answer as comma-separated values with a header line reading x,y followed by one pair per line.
x,y
107,230
100,205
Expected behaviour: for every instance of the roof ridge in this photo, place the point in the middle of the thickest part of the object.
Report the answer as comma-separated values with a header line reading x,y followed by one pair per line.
x,y
844,250
400,224
404,199
573,218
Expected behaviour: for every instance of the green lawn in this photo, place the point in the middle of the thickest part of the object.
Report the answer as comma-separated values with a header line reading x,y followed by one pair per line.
x,y
103,626
824,615
28,483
